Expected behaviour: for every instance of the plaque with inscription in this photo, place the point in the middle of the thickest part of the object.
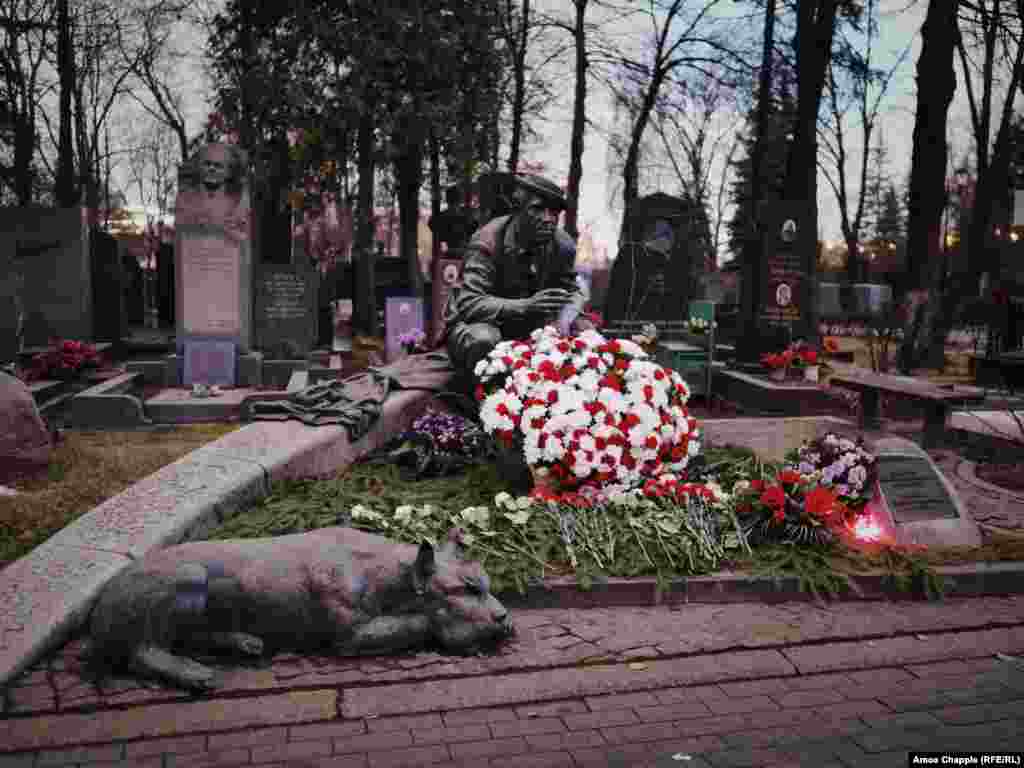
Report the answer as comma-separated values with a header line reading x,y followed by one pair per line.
x,y
784,272
913,489
211,283
209,362
286,308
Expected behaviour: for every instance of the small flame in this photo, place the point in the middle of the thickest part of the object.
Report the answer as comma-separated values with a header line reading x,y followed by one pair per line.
x,y
867,529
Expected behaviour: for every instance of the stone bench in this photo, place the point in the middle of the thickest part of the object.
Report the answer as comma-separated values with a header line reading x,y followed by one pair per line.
x,y
938,400
109,404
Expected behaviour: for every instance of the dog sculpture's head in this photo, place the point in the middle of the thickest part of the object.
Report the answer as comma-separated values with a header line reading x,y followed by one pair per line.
x,y
464,617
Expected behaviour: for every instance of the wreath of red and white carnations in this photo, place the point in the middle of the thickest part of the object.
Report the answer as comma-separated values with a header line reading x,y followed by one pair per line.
x,y
597,412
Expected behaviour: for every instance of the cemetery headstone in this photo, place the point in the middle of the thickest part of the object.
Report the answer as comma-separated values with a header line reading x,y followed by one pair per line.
x,y
209,361
446,275
829,305
917,503
108,290
784,288
165,285
213,249
286,306
52,247
869,298
653,277
401,315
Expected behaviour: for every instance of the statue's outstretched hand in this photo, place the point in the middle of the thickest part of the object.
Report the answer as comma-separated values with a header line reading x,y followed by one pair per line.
x,y
549,301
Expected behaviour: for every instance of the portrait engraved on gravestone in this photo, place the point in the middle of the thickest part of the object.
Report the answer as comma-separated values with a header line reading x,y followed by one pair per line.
x,y
783,295
789,231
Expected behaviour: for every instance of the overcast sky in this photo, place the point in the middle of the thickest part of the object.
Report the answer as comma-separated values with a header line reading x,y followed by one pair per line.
x,y
898,26
900,23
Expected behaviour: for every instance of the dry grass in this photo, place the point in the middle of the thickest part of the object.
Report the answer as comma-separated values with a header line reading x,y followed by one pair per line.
x,y
86,469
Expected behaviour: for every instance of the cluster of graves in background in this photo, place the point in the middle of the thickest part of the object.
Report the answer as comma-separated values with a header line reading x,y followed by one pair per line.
x,y
63,278
227,310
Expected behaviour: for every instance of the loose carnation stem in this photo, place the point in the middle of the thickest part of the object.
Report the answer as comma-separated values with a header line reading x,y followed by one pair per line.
x,y
664,547
643,549
496,553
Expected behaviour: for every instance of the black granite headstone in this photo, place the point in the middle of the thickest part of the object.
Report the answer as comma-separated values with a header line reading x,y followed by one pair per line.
x,y
286,306
165,285
653,278
107,289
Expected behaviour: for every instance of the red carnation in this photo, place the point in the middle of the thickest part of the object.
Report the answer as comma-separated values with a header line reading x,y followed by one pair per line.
x,y
789,477
774,497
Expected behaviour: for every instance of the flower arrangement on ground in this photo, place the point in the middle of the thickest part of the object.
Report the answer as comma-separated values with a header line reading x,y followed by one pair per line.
x,y
413,342
804,355
437,443
790,507
449,433
777,361
841,464
637,532
598,414
700,325
814,500
63,360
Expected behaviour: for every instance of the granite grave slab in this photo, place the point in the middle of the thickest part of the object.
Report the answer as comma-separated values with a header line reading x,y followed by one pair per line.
x,y
914,502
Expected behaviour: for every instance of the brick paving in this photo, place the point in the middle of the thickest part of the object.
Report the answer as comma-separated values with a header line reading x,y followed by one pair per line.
x,y
707,686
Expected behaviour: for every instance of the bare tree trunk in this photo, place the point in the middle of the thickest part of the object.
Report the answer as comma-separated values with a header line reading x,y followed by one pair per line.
x,y
748,347
816,24
579,122
65,191
409,169
519,95
936,84
364,310
631,168
992,179
24,150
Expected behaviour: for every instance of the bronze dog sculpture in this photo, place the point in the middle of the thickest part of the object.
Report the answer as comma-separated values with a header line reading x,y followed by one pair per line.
x,y
335,590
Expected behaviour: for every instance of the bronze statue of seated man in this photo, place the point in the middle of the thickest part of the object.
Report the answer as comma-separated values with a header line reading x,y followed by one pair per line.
x,y
519,274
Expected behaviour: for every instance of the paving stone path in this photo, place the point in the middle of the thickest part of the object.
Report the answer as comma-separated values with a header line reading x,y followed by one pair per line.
x,y
851,684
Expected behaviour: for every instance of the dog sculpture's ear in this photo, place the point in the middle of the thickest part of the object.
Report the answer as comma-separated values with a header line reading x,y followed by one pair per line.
x,y
423,568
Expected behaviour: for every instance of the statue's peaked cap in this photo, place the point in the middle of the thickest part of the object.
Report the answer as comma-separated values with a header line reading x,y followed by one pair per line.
x,y
543,187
